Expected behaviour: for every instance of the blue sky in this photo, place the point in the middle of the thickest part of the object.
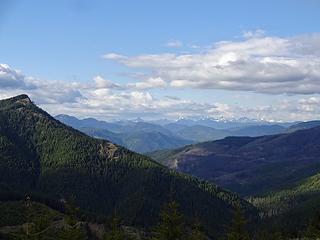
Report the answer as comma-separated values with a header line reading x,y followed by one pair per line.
x,y
63,42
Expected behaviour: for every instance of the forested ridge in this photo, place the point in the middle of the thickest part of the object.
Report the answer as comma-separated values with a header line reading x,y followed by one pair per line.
x,y
41,156
58,183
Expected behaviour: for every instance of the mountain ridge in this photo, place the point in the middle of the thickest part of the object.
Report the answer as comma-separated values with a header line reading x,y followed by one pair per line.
x,y
236,162
36,150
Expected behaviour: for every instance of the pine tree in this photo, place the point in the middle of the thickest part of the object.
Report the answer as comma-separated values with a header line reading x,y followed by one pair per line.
x,y
197,232
72,212
313,230
269,235
116,232
238,228
73,234
172,223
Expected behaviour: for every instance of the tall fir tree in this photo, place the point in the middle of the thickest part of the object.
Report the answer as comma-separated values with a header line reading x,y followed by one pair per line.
x,y
72,212
115,230
197,232
172,223
238,229
73,234
313,230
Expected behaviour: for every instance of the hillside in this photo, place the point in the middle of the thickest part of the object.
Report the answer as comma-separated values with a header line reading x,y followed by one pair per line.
x,y
200,133
258,130
142,137
139,137
292,207
303,125
39,154
250,165
304,194
140,142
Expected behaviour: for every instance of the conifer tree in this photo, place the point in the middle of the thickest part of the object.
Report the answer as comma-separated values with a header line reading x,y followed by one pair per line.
x,y
313,230
269,235
73,234
172,223
116,232
197,232
71,211
238,228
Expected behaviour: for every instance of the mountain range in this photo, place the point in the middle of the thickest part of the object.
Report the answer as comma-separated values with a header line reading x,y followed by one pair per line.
x,y
244,164
274,175
279,174
141,136
40,156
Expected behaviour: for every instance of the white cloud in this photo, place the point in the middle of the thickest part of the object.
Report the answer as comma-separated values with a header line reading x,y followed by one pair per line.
x,y
261,64
10,78
258,63
174,44
104,83
254,34
149,83
105,102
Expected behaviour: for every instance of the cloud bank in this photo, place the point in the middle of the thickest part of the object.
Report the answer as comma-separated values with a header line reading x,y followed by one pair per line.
x,y
275,66
257,63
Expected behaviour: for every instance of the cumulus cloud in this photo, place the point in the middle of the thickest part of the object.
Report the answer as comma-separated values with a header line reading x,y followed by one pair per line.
x,y
257,63
286,67
148,83
101,99
14,82
10,78
104,83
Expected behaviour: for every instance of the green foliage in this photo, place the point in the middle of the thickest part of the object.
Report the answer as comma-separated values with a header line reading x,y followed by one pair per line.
x,y
197,232
73,234
238,229
269,235
313,230
39,224
39,154
291,208
301,193
115,231
172,224
250,166
72,212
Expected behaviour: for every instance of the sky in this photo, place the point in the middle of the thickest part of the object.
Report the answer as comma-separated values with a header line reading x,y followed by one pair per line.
x,y
117,59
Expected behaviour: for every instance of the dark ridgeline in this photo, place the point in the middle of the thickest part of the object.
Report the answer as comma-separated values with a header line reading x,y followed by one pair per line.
x,y
250,165
42,157
279,174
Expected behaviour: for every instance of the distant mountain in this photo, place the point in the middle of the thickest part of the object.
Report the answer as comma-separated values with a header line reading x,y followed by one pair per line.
x,y
303,125
116,127
250,165
40,155
138,136
142,137
86,123
140,142
143,142
175,127
134,127
103,134
257,130
199,133
224,124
